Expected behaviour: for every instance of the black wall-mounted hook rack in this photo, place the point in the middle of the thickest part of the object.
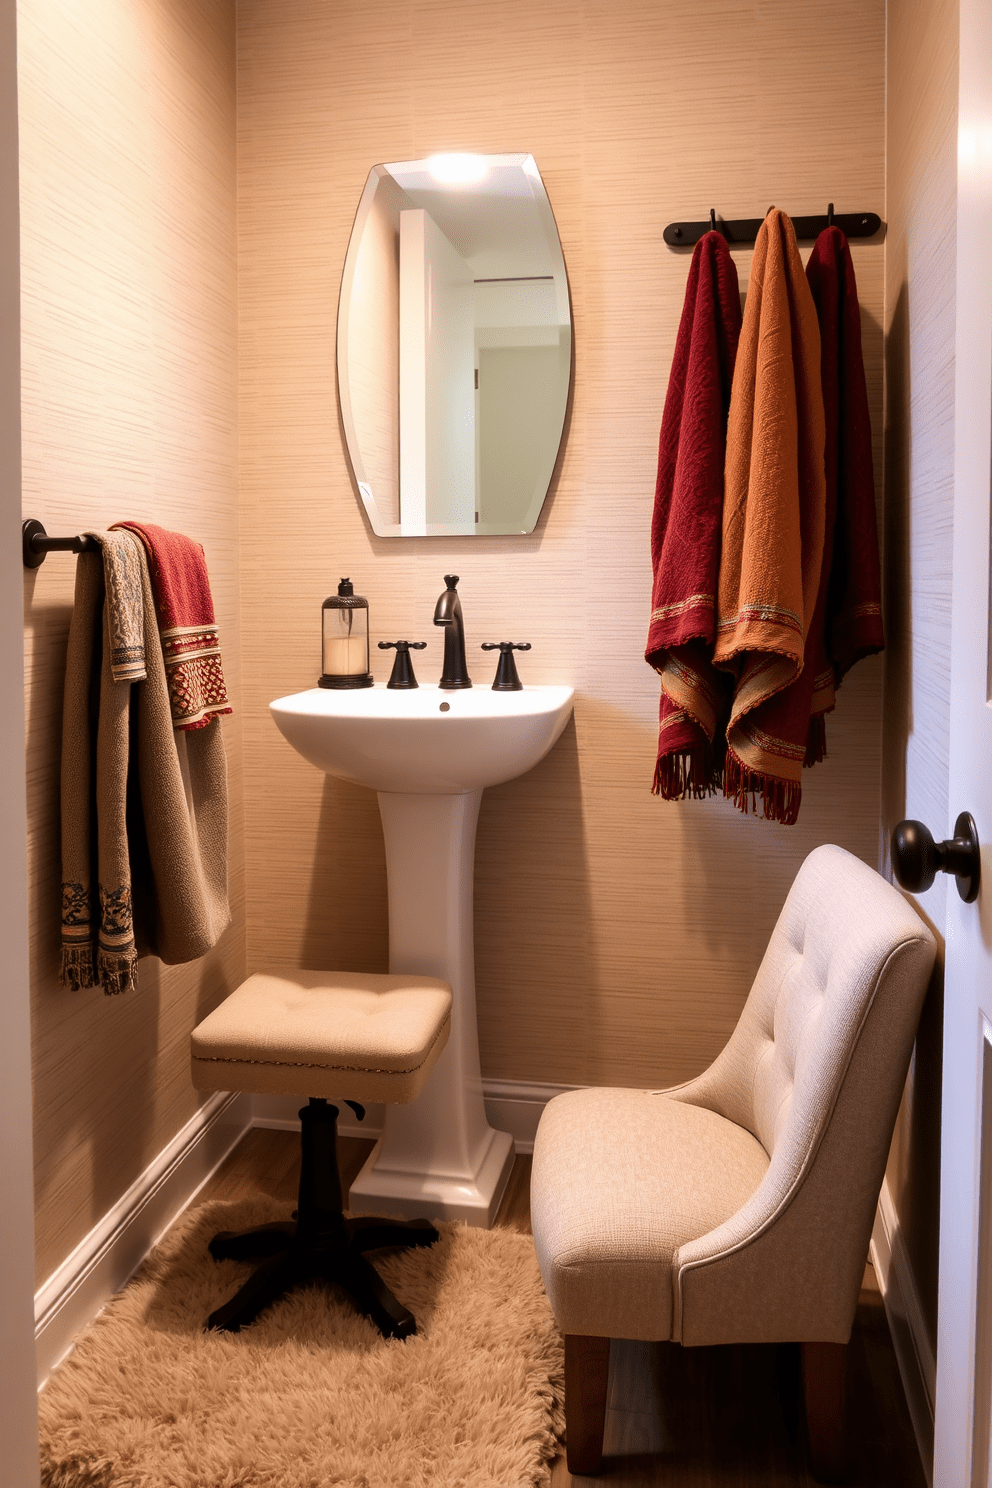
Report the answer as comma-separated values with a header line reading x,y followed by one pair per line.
x,y
745,229
37,544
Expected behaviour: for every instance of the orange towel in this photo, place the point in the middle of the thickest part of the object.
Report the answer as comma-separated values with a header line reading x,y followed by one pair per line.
x,y
773,528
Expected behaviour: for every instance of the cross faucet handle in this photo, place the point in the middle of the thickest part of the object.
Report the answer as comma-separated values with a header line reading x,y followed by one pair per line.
x,y
402,674
507,678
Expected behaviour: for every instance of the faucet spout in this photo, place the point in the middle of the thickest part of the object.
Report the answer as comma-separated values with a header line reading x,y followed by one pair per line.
x,y
448,612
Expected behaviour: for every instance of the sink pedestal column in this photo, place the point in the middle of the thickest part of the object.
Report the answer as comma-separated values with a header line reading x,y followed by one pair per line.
x,y
438,1156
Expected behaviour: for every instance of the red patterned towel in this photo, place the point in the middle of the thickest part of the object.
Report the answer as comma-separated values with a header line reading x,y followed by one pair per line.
x,y
686,528
185,610
852,622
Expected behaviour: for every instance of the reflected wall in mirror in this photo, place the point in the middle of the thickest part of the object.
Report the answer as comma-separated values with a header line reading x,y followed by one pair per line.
x,y
454,346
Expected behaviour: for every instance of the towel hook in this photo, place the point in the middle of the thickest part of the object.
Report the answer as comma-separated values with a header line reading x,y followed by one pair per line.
x,y
830,214
712,219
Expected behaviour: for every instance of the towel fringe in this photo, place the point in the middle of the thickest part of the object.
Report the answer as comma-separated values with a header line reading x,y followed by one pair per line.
x,y
118,971
816,741
683,773
780,799
76,968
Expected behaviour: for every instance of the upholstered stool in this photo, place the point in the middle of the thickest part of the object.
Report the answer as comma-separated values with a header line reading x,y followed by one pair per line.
x,y
321,1034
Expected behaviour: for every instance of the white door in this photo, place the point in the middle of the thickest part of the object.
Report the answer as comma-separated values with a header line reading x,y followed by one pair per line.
x,y
964,1341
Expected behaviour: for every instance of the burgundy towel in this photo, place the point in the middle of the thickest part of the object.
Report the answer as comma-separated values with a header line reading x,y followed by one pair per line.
x,y
686,529
852,610
185,612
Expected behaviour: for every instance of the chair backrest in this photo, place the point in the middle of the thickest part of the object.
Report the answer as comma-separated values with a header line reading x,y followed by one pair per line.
x,y
815,1070
840,928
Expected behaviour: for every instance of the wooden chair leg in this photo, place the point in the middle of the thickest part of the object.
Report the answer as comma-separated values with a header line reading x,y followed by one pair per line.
x,y
587,1374
824,1374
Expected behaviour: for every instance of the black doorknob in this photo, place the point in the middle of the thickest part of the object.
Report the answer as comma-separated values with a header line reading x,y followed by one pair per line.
x,y
917,859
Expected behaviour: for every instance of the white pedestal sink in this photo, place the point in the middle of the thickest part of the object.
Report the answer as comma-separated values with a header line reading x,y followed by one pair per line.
x,y
429,754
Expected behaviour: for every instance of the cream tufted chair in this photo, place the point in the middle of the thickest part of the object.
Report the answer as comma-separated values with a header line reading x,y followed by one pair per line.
x,y
738,1208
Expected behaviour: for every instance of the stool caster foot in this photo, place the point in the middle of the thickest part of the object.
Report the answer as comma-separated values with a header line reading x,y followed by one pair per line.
x,y
251,1245
321,1245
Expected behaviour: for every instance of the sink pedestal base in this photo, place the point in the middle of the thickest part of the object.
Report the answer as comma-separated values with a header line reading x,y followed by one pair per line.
x,y
438,1156
472,1199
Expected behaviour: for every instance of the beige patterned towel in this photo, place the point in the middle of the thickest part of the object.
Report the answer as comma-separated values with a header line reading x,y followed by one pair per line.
x,y
144,808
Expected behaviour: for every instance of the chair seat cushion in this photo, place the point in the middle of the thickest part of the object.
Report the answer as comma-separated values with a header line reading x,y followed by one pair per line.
x,y
621,1179
325,1034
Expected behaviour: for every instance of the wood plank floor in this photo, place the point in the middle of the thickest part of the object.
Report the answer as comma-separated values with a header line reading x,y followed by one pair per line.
x,y
677,1418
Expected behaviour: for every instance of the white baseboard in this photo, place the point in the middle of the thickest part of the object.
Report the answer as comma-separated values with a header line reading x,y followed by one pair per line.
x,y
515,1106
114,1249
512,1106
910,1338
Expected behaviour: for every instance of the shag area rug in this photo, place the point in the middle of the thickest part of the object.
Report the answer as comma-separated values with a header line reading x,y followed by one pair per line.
x,y
311,1395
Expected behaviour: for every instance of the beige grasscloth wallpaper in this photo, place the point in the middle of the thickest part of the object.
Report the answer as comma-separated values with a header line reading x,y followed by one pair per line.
x,y
127,112
616,935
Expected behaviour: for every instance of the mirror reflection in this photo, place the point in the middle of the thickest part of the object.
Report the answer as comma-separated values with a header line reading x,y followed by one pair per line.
x,y
454,346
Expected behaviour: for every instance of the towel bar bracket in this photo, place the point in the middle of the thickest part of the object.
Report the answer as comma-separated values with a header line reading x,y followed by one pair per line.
x,y
37,544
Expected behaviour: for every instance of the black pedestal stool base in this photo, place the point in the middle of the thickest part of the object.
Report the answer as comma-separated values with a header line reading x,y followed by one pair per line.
x,y
321,1245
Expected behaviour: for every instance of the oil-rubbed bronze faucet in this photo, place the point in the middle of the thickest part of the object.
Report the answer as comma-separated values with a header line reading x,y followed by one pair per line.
x,y
448,612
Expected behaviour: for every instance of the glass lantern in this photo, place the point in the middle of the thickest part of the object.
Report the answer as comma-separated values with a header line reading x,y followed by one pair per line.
x,y
345,630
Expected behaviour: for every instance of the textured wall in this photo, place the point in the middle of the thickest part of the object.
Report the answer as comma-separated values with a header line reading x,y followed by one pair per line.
x,y
127,118
919,465
616,935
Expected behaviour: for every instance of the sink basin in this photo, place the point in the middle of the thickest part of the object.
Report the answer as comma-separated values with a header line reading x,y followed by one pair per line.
x,y
425,741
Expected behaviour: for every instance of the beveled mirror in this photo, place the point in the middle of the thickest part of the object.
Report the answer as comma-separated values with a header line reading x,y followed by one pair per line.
x,y
454,346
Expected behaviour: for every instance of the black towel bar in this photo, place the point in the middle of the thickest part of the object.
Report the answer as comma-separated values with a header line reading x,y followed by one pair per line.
x,y
37,544
745,229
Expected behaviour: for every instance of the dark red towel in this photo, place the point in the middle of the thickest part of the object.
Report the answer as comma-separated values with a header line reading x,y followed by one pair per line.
x,y
852,624
197,692
686,529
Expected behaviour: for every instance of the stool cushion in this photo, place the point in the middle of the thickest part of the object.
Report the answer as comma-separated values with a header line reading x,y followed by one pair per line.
x,y
324,1033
